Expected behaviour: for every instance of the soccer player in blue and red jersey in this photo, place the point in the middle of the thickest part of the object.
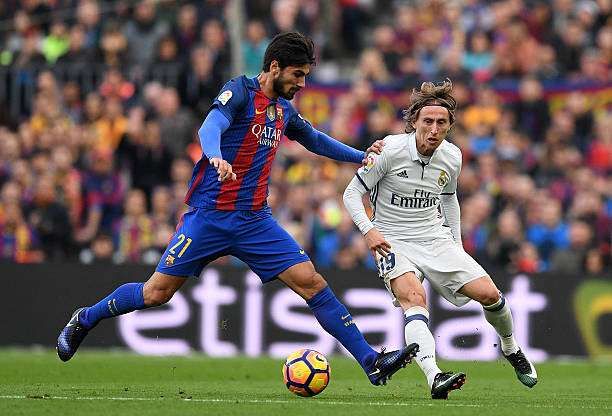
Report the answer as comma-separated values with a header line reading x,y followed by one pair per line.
x,y
228,214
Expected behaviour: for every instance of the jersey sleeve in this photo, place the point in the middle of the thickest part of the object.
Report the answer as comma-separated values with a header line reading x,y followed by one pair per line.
x,y
451,186
232,98
373,171
297,126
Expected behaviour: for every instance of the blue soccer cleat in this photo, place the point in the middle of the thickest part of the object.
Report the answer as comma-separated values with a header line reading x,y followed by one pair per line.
x,y
388,363
71,337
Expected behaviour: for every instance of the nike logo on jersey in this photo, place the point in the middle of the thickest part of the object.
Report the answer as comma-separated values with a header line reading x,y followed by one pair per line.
x,y
302,251
260,111
345,316
403,174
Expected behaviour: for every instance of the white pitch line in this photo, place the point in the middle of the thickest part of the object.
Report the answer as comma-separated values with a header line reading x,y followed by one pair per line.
x,y
284,402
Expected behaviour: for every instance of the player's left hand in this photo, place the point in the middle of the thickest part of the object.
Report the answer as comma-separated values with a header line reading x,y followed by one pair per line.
x,y
375,147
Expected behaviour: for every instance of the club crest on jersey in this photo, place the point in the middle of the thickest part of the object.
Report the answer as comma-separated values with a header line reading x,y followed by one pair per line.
x,y
369,163
443,179
271,112
224,97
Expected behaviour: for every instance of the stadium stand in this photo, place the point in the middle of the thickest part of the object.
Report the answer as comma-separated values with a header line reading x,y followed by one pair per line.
x,y
100,102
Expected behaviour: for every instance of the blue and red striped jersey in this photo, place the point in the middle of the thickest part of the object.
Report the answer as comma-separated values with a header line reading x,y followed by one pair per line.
x,y
257,124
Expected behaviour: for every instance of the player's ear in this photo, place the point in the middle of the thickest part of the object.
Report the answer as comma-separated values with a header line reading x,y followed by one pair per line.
x,y
274,67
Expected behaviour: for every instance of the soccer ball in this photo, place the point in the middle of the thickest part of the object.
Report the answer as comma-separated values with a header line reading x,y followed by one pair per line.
x,y
306,372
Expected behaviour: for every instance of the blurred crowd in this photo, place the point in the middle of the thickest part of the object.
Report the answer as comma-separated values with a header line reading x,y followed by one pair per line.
x,y
96,155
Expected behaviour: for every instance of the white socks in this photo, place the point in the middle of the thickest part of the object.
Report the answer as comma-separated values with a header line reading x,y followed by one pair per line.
x,y
416,330
500,317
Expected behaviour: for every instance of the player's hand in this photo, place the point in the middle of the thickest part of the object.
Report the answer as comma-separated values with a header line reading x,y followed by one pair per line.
x,y
376,147
376,243
224,169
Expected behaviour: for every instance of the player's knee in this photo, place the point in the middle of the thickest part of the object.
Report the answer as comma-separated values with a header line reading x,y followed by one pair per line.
x,y
489,297
408,293
411,298
311,284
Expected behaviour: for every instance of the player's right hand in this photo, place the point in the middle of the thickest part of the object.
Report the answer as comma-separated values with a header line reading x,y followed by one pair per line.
x,y
224,169
376,243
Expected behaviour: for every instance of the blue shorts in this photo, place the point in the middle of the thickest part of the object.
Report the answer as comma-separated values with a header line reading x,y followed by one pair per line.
x,y
254,237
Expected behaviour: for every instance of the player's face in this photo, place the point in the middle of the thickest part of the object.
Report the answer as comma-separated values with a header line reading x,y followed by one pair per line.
x,y
431,128
290,80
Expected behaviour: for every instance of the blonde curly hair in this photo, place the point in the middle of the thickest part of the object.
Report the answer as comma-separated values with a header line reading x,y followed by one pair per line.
x,y
430,94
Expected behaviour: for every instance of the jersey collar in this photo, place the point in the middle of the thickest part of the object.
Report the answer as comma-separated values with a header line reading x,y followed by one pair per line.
x,y
414,154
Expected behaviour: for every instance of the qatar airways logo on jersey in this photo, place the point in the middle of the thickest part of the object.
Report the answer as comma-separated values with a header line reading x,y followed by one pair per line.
x,y
420,199
266,135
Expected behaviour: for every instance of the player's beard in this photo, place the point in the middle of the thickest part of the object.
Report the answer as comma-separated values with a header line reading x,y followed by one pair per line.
x,y
279,88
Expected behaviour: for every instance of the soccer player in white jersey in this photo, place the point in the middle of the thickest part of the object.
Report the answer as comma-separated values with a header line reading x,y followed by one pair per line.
x,y
415,232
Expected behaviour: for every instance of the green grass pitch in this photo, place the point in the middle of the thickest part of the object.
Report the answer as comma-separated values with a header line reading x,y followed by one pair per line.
x,y
113,383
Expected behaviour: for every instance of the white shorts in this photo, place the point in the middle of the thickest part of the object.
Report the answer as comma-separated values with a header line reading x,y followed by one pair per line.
x,y
445,265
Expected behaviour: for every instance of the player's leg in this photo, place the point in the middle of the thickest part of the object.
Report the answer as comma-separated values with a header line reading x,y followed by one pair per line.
x,y
199,239
497,312
410,294
272,253
129,297
333,316
124,299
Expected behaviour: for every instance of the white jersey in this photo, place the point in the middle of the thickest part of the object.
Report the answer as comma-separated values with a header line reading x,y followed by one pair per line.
x,y
405,191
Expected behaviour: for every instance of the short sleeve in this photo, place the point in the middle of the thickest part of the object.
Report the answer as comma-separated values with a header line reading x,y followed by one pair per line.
x,y
232,98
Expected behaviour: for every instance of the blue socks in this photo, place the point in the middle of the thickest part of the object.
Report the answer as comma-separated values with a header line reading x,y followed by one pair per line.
x,y
337,321
126,298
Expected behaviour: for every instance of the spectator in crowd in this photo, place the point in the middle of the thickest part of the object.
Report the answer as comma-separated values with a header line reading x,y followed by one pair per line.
x,y
50,220
100,251
110,127
143,33
186,30
19,242
177,124
113,46
214,37
135,231
103,199
88,15
253,47
549,232
201,83
77,54
572,260
167,66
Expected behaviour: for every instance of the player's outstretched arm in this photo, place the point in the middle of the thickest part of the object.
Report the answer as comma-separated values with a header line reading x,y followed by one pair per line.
x,y
324,145
210,138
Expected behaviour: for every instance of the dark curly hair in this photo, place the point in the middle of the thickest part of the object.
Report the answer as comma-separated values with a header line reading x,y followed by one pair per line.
x,y
430,94
289,49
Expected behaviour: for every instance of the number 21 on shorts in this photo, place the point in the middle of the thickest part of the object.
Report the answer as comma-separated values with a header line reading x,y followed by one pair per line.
x,y
386,264
181,239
